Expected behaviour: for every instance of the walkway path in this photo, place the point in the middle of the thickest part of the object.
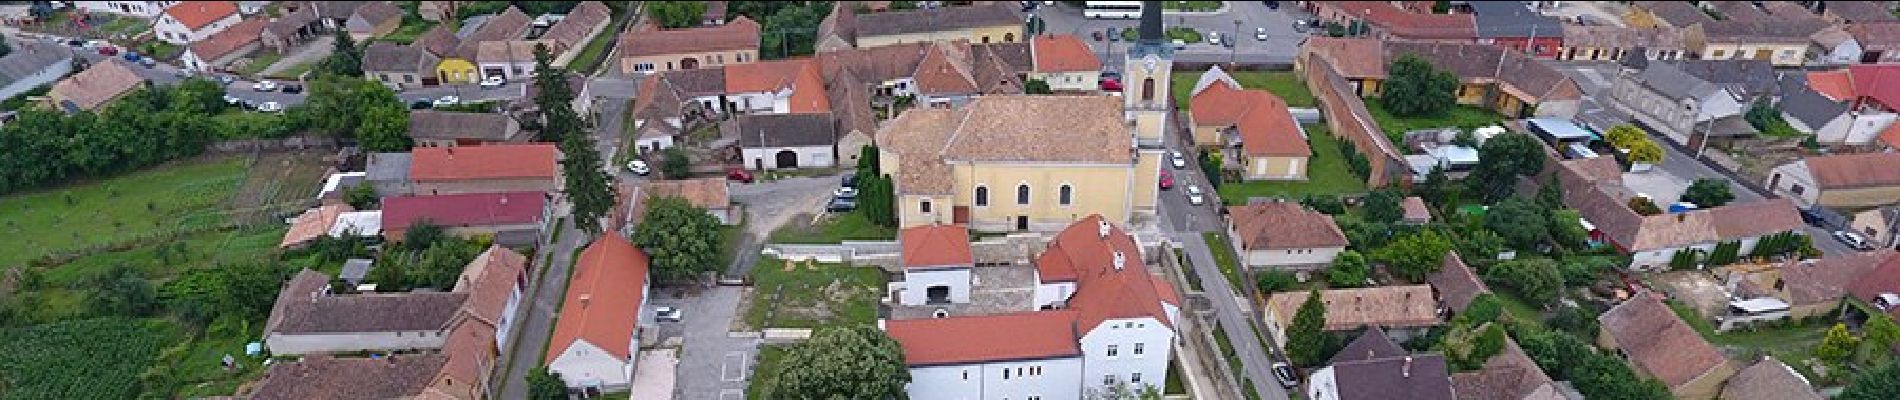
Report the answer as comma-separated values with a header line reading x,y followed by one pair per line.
x,y
310,52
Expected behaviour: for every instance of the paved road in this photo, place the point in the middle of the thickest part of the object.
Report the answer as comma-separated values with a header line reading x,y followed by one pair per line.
x,y
1281,44
714,364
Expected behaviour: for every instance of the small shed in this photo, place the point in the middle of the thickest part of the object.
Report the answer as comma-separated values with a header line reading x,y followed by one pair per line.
x,y
355,269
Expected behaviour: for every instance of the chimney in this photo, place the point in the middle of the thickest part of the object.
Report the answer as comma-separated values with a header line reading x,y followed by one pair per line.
x,y
1101,228
1406,370
585,298
1120,261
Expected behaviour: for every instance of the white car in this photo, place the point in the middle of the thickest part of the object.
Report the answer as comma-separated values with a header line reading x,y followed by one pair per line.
x,y
270,106
1180,44
1178,160
493,82
638,167
1259,33
668,314
232,100
845,193
1195,196
264,86
447,101
1213,38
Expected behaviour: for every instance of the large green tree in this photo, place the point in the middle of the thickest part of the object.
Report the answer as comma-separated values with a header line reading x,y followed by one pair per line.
x,y
792,30
1501,160
843,362
1383,206
1414,88
1349,270
1521,222
1880,383
546,385
1566,227
244,290
341,106
877,200
1534,279
1708,192
120,291
589,188
677,14
1415,256
1306,338
346,59
683,240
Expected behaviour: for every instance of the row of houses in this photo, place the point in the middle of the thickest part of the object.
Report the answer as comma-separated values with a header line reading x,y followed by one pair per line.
x,y
497,48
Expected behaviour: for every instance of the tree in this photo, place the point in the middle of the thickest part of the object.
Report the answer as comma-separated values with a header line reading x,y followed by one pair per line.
x,y
673,163
345,58
1467,350
1119,390
1414,256
1575,320
1480,244
1324,203
1519,221
1881,333
362,197
1482,309
1536,280
677,14
1625,135
1414,88
1582,271
1383,206
792,30
339,106
589,188
385,129
877,200
843,362
555,118
1880,383
1566,228
1708,193
544,384
119,291
1646,152
1349,270
1642,205
1037,86
1273,280
1437,188
1836,345
1501,160
1551,194
1306,339
682,240
438,266
244,290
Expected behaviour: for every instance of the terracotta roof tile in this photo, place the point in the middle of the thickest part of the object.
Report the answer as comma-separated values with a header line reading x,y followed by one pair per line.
x,y
945,69
1755,218
230,39
1658,343
458,210
1283,225
1370,345
490,279
916,136
92,88
385,56
1882,35
937,20
312,223
1406,24
1891,135
1419,377
452,125
1063,53
1853,171
1769,379
1354,57
1416,210
573,29
303,308
1837,85
1508,375
470,351
739,34
931,246
510,24
1404,306
1041,128
326,377
961,340
1104,291
497,161
1456,285
1882,279
1880,82
196,14
1268,129
603,299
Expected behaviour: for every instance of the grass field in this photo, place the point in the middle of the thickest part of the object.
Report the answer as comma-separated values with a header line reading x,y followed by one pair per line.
x,y
181,196
813,295
1327,173
1459,116
764,370
1223,250
1285,84
832,229
259,61
99,358
407,33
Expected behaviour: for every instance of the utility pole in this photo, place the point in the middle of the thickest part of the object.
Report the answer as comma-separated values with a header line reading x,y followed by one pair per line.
x,y
1233,49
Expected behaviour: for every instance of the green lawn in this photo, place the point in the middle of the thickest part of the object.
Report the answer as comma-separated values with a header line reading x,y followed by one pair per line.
x,y
814,295
138,205
1185,34
1176,384
259,61
407,33
1223,251
594,54
1190,5
833,228
1285,84
295,70
1519,310
1779,128
1326,173
765,369
121,26
1459,116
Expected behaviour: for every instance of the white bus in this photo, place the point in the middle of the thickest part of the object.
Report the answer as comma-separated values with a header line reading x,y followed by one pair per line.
x,y
1112,9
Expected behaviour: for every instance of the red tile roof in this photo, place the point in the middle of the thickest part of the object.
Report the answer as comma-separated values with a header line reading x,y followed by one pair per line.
x,y
196,14
1063,53
1853,171
1834,84
1283,225
1883,279
453,210
799,75
231,39
1406,24
603,298
1881,82
936,246
1104,290
739,34
497,161
312,223
1019,336
1891,135
1266,127
490,280
1657,342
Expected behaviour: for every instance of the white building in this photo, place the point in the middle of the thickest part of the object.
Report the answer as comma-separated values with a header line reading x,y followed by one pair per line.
x,y
1065,63
937,262
190,21
1284,235
785,141
141,9
1115,326
595,342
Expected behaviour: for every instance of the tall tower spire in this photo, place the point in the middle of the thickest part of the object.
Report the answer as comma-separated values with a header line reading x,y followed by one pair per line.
x,y
1154,37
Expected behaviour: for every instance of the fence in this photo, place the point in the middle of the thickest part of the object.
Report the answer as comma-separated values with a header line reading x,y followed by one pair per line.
x,y
1348,118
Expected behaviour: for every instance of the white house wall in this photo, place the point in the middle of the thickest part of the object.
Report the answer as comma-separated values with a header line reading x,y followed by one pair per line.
x,y
917,284
1048,294
585,365
808,157
1061,378
746,103
171,31
1070,81
1156,340
1865,127
505,327
347,342
1323,385
1783,178
1293,257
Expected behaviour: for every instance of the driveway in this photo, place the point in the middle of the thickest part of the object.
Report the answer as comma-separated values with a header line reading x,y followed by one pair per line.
x,y
769,205
1281,44
715,364
312,51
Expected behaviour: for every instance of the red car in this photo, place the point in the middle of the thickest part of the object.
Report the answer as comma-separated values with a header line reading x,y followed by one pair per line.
x,y
739,174
1167,180
108,51
1111,84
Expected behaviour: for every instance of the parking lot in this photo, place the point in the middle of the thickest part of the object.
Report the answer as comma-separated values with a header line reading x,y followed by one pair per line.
x,y
1241,18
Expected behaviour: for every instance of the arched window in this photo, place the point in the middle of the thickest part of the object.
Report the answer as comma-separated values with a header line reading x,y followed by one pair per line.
x,y
1148,89
982,196
1065,195
1022,194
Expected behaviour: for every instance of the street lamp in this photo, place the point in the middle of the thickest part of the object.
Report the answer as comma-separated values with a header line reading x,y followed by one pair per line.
x,y
1233,49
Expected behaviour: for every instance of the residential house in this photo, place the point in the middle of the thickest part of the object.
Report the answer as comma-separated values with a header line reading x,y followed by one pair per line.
x,y
485,169
32,65
993,22
388,173
937,261
708,194
459,64
1670,14
1508,375
1881,226
1373,367
1869,93
1878,290
1116,323
1253,128
1831,121
511,218
1043,152
1403,311
1065,63
1844,181
1504,81
1372,343
1416,212
715,14
191,21
595,342
1659,345
373,19
1678,98
431,128
1780,40
399,66
1283,235
586,20
786,140
438,10
495,282
397,377
224,47
651,49
141,9
778,87
312,224
1809,287
1618,43
309,319
1455,285
290,28
1385,21
1769,379
92,88
1879,41
1832,46
950,73
511,60
850,99
1594,187
1512,25
1854,12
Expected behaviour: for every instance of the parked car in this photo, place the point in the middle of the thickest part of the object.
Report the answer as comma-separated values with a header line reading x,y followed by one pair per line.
x,y
1098,35
1167,180
1180,44
1195,196
270,106
421,105
226,80
232,100
1272,5
1114,34
1259,33
1111,84
1288,378
849,180
1853,240
1177,159
638,167
264,86
739,174
108,51
845,193
446,101
132,56
838,205
493,82
1812,218
668,314
293,89
148,62
1213,38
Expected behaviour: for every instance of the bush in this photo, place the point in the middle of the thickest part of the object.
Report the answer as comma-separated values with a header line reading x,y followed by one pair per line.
x,y
1273,280
1325,204
1536,279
